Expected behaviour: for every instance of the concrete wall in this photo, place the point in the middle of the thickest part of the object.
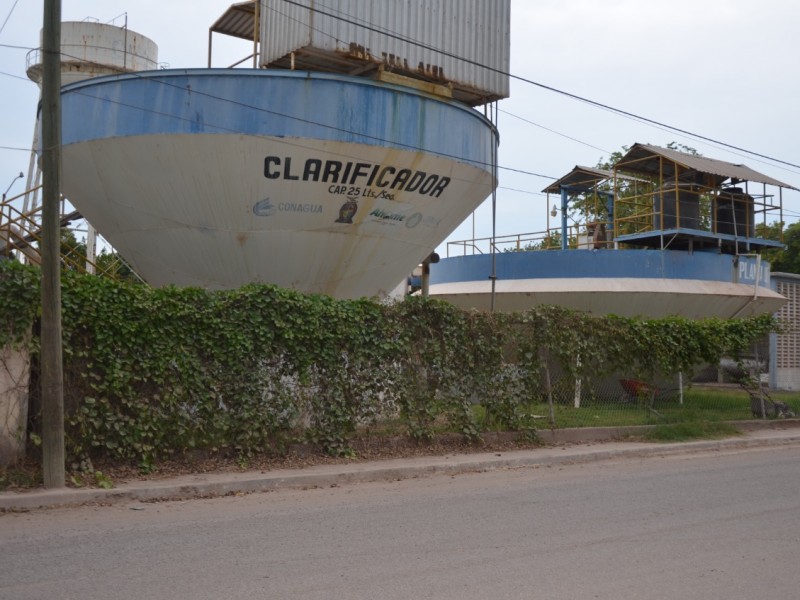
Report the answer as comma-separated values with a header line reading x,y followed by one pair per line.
x,y
785,347
14,378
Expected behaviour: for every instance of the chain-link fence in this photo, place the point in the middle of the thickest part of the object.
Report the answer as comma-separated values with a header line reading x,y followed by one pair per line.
x,y
622,400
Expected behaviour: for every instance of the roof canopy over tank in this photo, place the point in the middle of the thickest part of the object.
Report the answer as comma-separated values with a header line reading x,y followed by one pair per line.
x,y
580,179
667,162
653,197
460,48
238,21
683,200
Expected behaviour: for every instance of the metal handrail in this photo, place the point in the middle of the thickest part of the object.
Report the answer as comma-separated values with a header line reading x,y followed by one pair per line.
x,y
21,232
520,241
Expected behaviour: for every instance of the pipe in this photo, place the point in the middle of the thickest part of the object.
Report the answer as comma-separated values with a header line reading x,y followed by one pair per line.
x,y
564,204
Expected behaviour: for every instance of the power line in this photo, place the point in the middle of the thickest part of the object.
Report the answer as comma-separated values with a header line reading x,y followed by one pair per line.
x,y
524,172
541,85
303,120
336,14
20,77
530,193
291,117
360,23
271,112
323,125
11,12
654,122
370,27
294,118
16,47
282,141
553,131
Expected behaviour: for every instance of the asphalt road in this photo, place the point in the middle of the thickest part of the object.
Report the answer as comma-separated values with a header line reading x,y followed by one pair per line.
x,y
705,526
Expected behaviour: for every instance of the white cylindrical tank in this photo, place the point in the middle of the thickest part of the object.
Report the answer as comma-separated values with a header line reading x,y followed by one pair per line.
x,y
90,49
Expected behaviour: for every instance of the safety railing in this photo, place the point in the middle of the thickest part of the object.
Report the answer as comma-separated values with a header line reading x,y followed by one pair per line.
x,y
20,237
579,236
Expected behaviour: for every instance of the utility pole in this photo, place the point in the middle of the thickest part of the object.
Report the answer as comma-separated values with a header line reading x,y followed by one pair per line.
x,y
51,355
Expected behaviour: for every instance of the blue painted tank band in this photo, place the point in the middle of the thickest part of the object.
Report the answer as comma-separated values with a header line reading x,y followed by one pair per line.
x,y
575,264
287,104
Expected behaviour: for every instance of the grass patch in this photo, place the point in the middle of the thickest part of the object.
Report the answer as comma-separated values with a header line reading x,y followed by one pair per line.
x,y
691,430
700,404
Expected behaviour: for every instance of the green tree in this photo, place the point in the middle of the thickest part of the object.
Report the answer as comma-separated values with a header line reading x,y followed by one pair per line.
x,y
73,252
609,162
633,196
107,263
551,241
784,260
111,264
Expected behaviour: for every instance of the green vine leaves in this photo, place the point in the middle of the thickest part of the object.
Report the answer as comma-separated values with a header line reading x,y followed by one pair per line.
x,y
152,373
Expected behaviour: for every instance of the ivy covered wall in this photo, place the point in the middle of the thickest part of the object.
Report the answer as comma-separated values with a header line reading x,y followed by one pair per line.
x,y
150,373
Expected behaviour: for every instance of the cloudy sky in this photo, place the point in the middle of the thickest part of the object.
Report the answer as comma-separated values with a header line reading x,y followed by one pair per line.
x,y
723,69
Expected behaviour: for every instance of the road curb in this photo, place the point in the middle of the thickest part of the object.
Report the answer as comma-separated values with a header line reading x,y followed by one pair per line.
x,y
330,476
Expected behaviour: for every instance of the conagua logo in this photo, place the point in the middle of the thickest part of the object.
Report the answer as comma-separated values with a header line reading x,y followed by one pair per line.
x,y
265,208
